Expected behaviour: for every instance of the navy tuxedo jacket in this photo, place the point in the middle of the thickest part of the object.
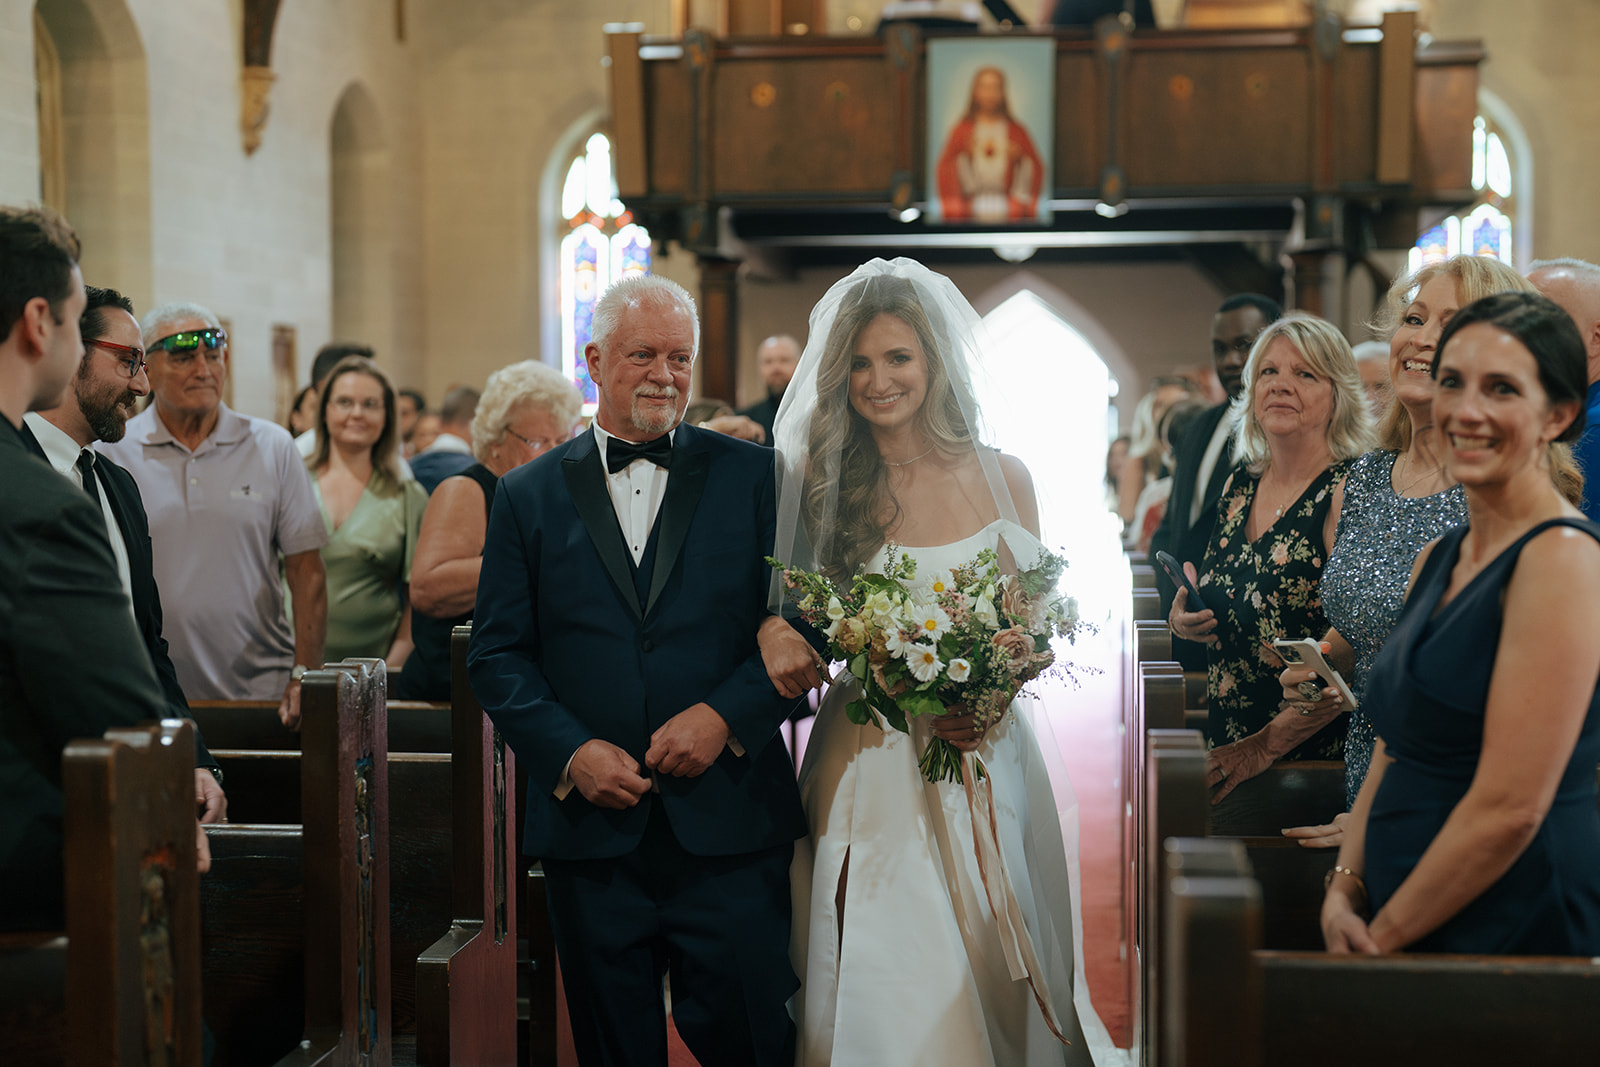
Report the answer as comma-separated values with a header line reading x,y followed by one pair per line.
x,y
563,650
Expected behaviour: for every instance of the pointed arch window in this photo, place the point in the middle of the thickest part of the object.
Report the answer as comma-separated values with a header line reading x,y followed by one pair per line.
x,y
1485,228
603,245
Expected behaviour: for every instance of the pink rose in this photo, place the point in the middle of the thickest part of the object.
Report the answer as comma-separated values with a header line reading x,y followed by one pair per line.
x,y
1016,602
1016,644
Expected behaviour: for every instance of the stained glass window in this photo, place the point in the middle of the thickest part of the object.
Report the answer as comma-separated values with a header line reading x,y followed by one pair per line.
x,y
603,245
1485,228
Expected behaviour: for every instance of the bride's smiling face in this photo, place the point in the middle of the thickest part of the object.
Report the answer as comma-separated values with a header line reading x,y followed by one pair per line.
x,y
888,373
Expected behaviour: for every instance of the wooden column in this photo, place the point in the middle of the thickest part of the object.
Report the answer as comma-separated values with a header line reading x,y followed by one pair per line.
x,y
719,328
1305,279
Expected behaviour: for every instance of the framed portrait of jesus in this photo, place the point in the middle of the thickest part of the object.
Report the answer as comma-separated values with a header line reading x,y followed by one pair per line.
x,y
991,123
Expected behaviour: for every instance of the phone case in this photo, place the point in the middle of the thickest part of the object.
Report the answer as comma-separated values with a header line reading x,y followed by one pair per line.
x,y
1304,652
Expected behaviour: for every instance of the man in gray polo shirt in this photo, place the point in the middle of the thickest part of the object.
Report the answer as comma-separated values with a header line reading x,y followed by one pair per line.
x,y
227,496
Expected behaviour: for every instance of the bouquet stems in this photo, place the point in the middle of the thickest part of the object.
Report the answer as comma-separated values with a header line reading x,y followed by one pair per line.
x,y
941,762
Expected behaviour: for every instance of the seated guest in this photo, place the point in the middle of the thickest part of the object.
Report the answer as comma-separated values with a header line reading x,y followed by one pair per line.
x,y
1302,419
409,407
96,407
450,452
71,662
372,513
227,496
1396,500
1476,829
527,409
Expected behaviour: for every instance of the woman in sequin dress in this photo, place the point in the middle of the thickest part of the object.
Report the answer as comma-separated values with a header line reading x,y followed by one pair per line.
x,y
1396,500
1302,419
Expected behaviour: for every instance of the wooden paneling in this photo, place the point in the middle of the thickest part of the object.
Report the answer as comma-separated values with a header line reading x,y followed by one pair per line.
x,y
1355,110
1080,120
1226,117
844,105
1446,104
669,130
1396,87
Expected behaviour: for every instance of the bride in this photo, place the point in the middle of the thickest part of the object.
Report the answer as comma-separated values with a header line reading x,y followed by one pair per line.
x,y
933,922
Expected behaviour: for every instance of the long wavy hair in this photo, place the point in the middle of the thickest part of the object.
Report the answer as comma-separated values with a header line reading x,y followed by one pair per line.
x,y
1476,277
847,506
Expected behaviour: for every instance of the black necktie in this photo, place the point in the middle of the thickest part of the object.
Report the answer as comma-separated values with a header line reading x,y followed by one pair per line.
x,y
91,484
620,453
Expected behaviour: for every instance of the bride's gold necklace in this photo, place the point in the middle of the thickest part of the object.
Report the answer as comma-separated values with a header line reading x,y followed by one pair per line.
x,y
908,462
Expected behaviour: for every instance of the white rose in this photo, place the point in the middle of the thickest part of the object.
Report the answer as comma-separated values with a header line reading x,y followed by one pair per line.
x,y
960,670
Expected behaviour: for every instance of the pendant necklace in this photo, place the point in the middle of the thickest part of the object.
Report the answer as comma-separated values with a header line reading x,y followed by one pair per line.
x,y
908,462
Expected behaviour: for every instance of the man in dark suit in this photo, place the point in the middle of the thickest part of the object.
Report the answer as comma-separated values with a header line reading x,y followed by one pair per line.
x,y
71,663
451,451
96,407
614,646
776,359
1204,455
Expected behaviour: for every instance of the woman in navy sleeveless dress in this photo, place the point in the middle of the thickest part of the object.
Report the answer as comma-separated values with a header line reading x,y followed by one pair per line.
x,y
1477,829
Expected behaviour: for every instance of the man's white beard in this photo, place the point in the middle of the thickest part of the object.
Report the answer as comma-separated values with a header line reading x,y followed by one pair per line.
x,y
654,420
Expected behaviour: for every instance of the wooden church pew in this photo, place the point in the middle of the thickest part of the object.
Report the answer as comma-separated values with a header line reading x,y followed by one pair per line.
x,y
467,980
1239,1005
125,987
296,917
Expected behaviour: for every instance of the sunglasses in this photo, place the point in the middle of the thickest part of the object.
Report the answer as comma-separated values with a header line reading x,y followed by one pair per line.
x,y
189,340
133,365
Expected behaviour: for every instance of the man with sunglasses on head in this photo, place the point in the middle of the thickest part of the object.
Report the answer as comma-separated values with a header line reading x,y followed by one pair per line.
x,y
96,407
228,496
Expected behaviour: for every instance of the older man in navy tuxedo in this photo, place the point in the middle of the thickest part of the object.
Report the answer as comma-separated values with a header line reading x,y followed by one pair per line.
x,y
614,645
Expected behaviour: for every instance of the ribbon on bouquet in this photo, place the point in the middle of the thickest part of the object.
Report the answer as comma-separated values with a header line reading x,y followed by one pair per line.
x,y
1021,960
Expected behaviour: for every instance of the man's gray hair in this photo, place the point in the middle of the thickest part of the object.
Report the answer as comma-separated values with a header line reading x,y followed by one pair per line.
x,y
1586,271
638,291
157,321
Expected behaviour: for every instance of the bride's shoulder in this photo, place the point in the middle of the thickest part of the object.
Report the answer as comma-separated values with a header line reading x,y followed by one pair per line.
x,y
1015,472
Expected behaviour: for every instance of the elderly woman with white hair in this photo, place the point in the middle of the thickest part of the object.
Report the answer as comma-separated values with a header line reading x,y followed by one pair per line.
x,y
526,410
1302,419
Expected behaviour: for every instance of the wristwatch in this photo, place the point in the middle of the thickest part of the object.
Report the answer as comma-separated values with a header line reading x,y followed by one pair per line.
x,y
216,772
297,672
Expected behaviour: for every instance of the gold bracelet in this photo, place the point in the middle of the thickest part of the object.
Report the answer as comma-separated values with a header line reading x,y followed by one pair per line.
x,y
1327,879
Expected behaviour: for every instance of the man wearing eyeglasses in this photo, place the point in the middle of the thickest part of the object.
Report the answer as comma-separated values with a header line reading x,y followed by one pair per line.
x,y
96,407
228,496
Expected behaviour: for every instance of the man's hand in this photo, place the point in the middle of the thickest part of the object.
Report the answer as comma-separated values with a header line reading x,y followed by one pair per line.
x,y
791,662
209,797
740,426
289,706
688,742
607,776
202,848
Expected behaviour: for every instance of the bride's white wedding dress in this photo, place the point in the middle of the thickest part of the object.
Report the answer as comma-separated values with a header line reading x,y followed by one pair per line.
x,y
915,967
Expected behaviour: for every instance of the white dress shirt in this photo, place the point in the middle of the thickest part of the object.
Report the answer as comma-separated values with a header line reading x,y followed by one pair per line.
x,y
62,452
636,494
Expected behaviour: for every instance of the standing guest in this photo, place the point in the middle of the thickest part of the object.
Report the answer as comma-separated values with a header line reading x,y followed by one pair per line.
x,y
303,415
409,406
1302,419
1396,500
618,656
228,497
1575,287
776,358
527,409
1203,455
328,357
1116,461
1372,360
71,662
426,431
96,407
709,413
1476,829
372,513
450,452
1147,452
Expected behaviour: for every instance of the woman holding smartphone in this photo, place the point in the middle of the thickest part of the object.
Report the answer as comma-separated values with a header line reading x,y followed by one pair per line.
x,y
1302,419
1476,829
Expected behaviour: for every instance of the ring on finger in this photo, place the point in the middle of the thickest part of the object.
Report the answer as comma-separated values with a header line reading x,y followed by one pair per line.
x,y
1311,691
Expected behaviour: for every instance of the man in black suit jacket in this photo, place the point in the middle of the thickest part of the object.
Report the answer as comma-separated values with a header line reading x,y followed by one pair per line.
x,y
614,645
96,407
776,359
1204,456
71,664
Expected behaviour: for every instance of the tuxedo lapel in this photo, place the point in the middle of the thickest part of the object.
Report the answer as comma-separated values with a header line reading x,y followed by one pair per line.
x,y
685,482
31,443
586,482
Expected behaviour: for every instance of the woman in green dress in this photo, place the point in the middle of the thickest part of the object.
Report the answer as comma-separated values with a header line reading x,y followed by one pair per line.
x,y
372,512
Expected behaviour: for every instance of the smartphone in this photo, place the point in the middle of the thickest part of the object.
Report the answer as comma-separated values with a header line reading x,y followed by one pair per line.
x,y
1307,652
1181,580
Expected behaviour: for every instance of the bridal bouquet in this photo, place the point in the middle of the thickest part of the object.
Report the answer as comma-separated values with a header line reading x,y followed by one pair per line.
x,y
968,638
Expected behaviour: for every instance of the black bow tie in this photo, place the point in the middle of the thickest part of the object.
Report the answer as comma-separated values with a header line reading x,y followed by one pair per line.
x,y
620,453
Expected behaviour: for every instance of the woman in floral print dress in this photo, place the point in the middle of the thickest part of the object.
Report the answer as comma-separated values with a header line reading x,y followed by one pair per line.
x,y
1302,419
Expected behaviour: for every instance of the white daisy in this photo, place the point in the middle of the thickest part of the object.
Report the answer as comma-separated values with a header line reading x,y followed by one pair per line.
x,y
924,662
929,621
